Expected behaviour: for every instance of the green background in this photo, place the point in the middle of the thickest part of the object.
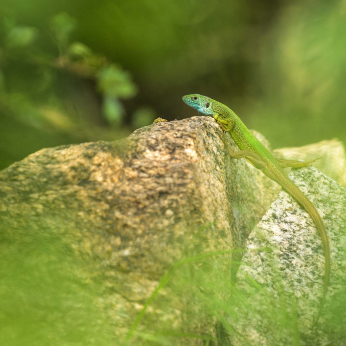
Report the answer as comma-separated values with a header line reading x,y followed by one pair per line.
x,y
280,66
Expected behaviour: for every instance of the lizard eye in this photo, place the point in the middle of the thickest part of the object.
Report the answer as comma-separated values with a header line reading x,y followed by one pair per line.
x,y
207,105
194,98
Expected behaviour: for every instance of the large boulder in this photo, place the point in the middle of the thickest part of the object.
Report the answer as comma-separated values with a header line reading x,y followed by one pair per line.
x,y
127,242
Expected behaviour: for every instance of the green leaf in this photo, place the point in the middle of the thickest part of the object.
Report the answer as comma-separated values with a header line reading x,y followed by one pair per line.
x,y
79,50
112,109
114,81
62,26
20,37
143,117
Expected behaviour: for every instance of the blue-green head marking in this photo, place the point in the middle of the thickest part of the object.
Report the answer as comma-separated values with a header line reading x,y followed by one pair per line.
x,y
223,115
202,103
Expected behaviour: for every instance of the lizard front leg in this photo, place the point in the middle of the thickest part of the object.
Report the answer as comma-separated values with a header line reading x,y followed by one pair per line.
x,y
251,156
255,159
225,123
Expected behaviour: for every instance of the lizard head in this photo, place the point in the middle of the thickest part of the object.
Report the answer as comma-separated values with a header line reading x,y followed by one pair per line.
x,y
202,103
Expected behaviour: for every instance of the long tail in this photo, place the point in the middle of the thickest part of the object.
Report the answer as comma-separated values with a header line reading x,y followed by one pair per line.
x,y
288,185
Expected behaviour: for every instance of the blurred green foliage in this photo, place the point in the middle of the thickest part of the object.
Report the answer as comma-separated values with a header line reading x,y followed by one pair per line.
x,y
112,82
303,75
200,281
73,71
47,295
33,80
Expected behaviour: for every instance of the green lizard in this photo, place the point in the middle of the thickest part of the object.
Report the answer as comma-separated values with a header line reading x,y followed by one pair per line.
x,y
255,152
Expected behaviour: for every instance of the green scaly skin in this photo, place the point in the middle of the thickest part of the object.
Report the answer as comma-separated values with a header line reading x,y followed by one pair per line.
x,y
255,152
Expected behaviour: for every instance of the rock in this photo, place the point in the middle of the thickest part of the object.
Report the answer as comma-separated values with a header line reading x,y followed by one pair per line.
x,y
93,228
284,258
136,240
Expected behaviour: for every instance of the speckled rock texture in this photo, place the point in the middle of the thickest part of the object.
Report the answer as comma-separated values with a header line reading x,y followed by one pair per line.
x,y
127,211
284,256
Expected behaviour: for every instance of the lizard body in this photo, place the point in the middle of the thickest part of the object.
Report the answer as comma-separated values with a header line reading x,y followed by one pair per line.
x,y
256,153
